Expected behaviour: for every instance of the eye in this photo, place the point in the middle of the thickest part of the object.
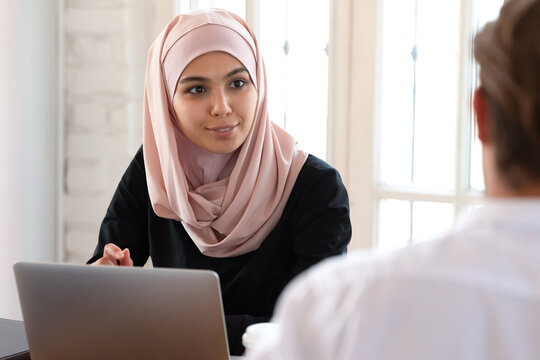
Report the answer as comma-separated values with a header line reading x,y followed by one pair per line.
x,y
196,90
238,83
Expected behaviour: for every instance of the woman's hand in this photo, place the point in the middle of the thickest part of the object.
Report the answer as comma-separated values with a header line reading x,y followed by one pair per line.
x,y
113,255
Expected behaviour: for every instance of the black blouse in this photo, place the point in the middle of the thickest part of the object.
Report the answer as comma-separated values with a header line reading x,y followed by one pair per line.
x,y
315,225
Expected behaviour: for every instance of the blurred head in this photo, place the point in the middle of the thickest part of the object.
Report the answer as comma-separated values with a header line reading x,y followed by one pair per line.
x,y
508,100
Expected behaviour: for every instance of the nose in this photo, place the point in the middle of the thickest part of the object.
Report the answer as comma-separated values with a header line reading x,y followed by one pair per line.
x,y
220,104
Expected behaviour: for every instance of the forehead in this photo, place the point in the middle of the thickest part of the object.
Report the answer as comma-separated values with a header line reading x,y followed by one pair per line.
x,y
186,46
214,63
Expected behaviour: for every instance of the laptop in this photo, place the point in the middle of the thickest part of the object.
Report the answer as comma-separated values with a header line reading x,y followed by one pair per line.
x,y
101,312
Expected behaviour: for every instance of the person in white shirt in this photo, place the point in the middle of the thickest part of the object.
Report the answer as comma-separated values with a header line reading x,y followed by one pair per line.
x,y
473,293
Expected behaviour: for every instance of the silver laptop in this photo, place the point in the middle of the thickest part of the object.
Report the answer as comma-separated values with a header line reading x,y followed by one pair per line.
x,y
101,312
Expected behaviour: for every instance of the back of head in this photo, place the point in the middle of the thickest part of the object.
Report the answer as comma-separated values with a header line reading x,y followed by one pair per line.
x,y
508,52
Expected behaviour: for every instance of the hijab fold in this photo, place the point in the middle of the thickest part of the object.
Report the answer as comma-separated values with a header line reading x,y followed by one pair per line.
x,y
228,203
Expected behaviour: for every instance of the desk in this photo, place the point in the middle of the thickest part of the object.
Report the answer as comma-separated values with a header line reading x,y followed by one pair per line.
x,y
13,344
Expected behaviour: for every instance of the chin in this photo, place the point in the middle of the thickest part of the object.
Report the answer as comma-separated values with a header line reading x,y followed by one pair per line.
x,y
223,149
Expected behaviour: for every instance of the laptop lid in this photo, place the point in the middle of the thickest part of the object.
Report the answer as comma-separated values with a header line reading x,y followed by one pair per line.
x,y
101,312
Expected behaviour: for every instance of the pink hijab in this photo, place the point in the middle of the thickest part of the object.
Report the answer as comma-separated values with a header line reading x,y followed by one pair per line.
x,y
228,203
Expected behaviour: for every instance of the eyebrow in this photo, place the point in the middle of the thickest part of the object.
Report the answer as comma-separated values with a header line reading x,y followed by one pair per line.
x,y
203,79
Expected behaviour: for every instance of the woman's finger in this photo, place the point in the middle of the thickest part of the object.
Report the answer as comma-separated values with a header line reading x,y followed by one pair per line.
x,y
113,251
113,255
126,260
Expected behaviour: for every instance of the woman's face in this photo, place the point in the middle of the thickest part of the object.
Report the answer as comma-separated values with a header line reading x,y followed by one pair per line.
x,y
215,102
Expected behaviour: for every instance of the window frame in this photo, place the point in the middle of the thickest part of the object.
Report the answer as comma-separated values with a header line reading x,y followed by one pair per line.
x,y
354,106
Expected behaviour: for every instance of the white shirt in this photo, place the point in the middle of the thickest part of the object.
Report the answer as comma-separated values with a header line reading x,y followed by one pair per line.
x,y
471,294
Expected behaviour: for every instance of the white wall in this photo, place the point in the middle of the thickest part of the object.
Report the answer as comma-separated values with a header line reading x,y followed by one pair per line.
x,y
106,46
29,114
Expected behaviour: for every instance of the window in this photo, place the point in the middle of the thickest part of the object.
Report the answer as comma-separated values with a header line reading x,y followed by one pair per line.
x,y
294,49
428,163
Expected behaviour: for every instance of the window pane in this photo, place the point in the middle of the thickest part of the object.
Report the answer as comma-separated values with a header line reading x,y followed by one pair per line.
x,y
436,94
396,89
402,222
307,93
394,224
431,219
294,48
418,98
272,36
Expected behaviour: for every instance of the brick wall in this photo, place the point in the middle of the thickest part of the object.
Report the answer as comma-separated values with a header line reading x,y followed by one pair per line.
x,y
105,48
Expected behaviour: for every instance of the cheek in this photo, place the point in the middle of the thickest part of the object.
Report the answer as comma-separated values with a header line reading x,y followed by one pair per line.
x,y
184,114
251,106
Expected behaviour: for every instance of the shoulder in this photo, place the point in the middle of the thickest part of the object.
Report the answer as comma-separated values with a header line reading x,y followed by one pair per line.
x,y
419,287
358,276
350,294
139,157
439,267
317,306
331,276
137,163
319,193
318,174
134,177
314,165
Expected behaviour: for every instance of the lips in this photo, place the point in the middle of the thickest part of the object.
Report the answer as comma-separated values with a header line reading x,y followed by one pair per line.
x,y
223,130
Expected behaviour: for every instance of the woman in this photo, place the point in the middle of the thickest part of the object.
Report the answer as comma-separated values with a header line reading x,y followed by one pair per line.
x,y
216,185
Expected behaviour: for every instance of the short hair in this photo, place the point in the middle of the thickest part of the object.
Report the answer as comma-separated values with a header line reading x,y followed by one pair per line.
x,y
508,52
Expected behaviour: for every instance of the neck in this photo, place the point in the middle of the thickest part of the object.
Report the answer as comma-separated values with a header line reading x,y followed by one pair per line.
x,y
498,187
531,189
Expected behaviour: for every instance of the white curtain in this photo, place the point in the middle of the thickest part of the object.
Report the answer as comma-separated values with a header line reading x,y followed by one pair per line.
x,y
29,139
